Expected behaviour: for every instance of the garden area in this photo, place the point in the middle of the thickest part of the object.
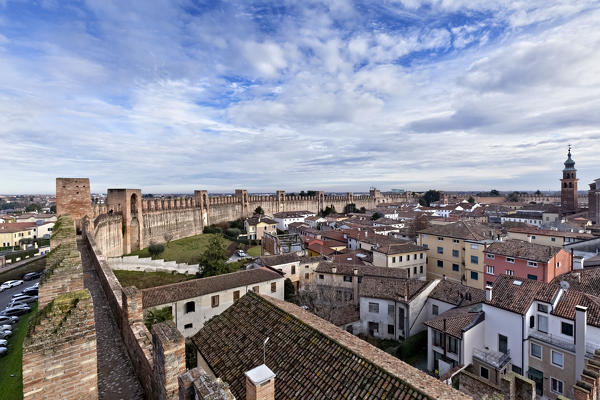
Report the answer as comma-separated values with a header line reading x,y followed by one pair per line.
x,y
412,351
144,280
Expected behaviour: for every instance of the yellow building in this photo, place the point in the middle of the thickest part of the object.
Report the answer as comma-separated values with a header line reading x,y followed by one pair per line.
x,y
11,234
257,226
455,251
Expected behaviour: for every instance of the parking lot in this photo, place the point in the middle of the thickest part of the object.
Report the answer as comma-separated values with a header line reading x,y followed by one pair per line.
x,y
6,295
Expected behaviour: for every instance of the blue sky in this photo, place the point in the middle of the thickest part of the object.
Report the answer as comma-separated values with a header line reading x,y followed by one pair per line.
x,y
178,95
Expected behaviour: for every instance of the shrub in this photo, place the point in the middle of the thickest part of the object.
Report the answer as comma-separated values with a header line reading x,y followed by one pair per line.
x,y
212,229
155,249
232,233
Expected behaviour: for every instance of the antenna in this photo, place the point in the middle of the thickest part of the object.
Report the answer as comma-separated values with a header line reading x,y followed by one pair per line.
x,y
265,350
565,285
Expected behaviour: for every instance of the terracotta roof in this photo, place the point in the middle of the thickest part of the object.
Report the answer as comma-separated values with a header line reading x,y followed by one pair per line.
x,y
321,249
509,295
401,290
571,298
399,248
362,270
17,227
523,249
465,230
155,296
584,280
334,235
456,320
312,358
457,294
548,232
293,214
255,220
279,259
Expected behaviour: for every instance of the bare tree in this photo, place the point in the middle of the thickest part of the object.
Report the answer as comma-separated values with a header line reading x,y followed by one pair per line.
x,y
168,237
324,301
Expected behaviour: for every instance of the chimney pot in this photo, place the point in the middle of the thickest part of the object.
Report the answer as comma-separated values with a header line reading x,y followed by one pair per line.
x,y
488,293
580,338
260,383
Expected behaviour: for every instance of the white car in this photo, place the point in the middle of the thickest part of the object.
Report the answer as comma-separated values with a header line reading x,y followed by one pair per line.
x,y
3,342
5,327
9,284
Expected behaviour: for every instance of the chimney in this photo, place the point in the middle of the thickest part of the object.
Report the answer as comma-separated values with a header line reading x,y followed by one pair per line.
x,y
333,270
580,338
488,293
355,271
260,383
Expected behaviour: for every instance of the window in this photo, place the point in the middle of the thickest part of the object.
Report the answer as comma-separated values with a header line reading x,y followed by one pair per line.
x,y
414,256
474,259
474,246
533,236
391,309
489,269
440,238
236,295
454,267
536,351
440,250
484,373
440,263
321,276
543,323
421,256
425,245
214,301
273,287
437,338
306,267
532,264
553,239
510,272
510,260
502,344
542,308
556,386
566,328
414,270
491,256
400,258
557,358
393,259
474,275
373,328
188,326
455,240
421,269
293,269
255,289
454,253
408,272
347,278
532,277
190,306
307,276
390,329
452,345
435,309
558,264
374,308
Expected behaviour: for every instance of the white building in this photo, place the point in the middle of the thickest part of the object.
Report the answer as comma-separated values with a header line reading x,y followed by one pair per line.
x,y
284,219
194,302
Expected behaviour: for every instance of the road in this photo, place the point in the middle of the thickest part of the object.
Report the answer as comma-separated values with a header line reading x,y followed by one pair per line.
x,y
6,295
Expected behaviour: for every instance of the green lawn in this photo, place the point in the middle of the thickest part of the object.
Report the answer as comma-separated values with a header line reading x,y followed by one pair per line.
x,y
255,251
187,250
143,280
11,364
17,273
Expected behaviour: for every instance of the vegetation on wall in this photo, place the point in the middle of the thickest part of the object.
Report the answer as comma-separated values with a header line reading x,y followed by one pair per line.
x,y
156,315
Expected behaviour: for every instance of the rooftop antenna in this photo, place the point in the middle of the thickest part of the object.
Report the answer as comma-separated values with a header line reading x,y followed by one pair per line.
x,y
265,350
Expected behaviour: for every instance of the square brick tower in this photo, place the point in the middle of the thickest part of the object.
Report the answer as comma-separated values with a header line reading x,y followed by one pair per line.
x,y
73,197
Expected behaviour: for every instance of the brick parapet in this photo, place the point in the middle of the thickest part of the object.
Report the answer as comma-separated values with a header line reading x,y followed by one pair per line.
x,y
169,359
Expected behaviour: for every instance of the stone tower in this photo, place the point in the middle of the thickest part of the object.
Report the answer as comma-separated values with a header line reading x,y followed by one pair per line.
x,y
73,197
129,203
568,192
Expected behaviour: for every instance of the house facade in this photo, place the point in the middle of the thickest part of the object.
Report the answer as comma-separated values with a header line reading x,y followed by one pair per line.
x,y
406,255
257,226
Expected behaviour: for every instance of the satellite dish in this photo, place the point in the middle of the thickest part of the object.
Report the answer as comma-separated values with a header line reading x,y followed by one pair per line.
x,y
565,285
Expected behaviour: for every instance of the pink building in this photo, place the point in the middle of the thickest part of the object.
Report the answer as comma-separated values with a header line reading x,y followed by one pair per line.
x,y
525,260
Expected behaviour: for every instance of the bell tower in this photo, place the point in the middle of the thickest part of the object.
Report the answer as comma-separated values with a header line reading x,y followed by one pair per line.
x,y
568,191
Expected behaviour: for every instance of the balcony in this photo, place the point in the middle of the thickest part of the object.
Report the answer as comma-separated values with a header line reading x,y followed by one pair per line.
x,y
494,358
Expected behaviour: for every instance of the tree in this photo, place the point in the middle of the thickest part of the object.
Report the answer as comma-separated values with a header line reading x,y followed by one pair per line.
x,y
214,257
259,211
33,207
471,199
363,210
376,216
418,224
538,193
53,208
156,315
328,210
514,197
168,237
323,301
155,249
289,291
350,208
429,197
191,354
494,193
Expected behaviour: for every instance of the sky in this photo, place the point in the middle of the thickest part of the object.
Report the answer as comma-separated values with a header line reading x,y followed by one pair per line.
x,y
172,96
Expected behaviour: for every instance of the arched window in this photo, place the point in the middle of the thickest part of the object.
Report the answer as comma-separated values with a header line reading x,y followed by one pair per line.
x,y
565,184
190,306
570,184
133,203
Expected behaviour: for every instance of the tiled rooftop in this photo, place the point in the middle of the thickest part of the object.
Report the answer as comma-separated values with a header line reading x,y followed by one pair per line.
x,y
362,270
401,290
457,294
456,320
461,230
516,295
523,249
311,358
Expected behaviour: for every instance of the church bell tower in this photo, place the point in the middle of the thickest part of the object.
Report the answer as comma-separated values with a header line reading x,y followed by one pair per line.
x,y
568,192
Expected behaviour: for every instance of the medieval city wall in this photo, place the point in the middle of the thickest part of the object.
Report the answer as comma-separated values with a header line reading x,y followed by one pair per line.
x,y
176,223
108,233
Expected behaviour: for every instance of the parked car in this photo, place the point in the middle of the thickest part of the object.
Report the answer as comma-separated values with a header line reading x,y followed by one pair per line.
x,y
3,351
24,299
31,276
6,320
5,334
5,327
9,284
30,291
3,342
16,310
241,253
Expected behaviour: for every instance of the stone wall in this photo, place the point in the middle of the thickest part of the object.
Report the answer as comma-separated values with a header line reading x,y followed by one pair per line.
x,y
73,198
196,384
512,386
135,263
178,223
59,352
108,234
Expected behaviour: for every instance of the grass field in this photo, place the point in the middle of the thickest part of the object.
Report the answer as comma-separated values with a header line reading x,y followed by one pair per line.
x,y
254,251
187,250
143,280
11,364
17,273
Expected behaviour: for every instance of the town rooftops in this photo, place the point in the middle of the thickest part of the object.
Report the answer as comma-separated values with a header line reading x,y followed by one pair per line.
x,y
328,267
293,214
465,230
399,248
155,296
457,320
516,295
523,249
548,232
401,290
15,227
572,298
312,358
584,280
252,221
272,261
457,294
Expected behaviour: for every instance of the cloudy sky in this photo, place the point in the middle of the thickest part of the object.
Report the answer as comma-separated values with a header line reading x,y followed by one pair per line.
x,y
177,95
